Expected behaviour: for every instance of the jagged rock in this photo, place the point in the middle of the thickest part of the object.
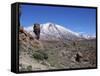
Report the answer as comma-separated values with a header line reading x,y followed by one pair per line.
x,y
21,29
37,30
78,57
45,63
30,36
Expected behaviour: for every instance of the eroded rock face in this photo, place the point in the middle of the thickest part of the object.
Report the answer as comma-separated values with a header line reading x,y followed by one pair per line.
x,y
37,30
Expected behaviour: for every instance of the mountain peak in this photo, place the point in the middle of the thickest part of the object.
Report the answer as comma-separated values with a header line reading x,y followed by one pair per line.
x,y
54,31
49,23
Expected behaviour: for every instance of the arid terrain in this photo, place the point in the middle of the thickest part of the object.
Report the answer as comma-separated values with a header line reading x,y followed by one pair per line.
x,y
51,54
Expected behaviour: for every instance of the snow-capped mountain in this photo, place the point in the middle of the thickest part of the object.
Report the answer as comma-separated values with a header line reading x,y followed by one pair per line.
x,y
89,37
51,31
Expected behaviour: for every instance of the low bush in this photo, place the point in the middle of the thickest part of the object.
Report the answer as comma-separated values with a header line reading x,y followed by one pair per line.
x,y
40,55
29,68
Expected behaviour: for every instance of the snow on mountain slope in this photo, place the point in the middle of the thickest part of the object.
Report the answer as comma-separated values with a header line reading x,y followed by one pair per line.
x,y
55,31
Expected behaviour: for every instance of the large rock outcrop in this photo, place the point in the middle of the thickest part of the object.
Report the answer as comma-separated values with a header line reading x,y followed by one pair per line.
x,y
36,29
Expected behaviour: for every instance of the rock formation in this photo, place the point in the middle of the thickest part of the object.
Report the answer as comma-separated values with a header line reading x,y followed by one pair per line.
x,y
36,29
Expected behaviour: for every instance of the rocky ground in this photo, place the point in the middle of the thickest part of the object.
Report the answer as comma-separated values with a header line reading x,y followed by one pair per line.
x,y
44,55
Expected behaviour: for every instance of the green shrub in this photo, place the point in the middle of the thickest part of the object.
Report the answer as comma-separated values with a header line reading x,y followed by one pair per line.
x,y
29,68
40,55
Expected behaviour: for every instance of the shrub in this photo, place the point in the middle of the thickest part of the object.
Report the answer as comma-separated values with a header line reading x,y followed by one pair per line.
x,y
29,68
40,55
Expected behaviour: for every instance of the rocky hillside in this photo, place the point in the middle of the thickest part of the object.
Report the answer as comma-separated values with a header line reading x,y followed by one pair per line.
x,y
31,53
44,55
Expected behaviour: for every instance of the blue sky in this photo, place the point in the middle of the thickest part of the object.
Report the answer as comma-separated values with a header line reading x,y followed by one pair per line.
x,y
82,20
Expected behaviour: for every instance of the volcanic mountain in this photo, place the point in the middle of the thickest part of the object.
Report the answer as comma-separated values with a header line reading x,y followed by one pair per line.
x,y
51,31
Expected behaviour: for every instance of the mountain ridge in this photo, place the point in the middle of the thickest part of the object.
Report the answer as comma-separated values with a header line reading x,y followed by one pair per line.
x,y
53,31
